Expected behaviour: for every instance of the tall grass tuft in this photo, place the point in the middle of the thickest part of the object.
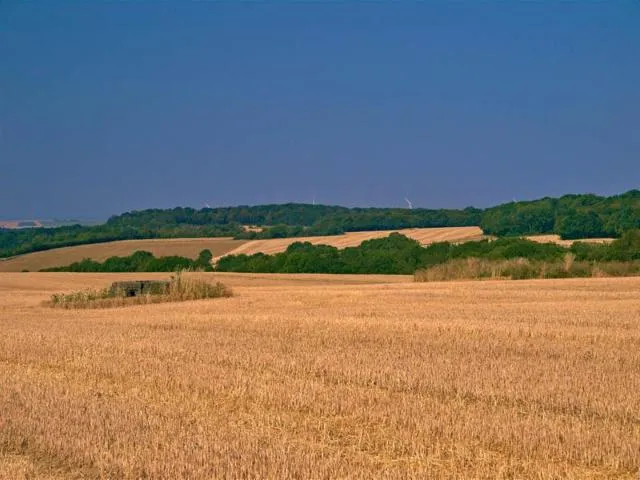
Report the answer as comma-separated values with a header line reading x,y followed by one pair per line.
x,y
180,289
522,268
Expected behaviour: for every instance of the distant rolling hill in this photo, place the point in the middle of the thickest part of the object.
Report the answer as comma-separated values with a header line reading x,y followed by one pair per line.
x,y
185,247
47,223
11,224
565,243
352,239
221,246
190,247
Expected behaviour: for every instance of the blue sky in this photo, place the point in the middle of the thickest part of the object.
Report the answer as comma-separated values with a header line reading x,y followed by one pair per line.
x,y
114,106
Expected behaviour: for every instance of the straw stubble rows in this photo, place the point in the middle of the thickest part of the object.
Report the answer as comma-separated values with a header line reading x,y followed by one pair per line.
x,y
219,247
323,377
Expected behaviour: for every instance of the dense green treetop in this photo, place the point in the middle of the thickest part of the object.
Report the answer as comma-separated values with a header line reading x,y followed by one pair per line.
x,y
571,216
393,254
140,261
397,254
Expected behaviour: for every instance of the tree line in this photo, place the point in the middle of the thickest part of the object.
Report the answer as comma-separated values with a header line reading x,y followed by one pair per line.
x,y
20,241
395,254
140,261
570,216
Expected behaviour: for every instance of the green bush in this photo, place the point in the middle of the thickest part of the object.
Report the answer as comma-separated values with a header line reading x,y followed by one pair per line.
x,y
395,254
140,261
572,216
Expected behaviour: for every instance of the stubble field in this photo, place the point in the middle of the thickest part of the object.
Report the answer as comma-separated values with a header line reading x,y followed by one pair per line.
x,y
191,247
318,376
566,243
185,247
425,236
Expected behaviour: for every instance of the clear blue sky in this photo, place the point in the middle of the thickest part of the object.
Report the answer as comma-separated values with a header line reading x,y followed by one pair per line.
x,y
114,106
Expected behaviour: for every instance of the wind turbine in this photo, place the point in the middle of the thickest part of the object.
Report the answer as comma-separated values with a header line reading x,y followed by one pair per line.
x,y
409,204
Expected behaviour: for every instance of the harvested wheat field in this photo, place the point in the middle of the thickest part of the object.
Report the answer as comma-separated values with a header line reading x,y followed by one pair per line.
x,y
319,376
352,239
565,243
19,223
185,247
191,247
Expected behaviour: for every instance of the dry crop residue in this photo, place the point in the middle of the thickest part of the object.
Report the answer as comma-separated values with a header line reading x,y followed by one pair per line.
x,y
319,376
185,247
565,243
352,239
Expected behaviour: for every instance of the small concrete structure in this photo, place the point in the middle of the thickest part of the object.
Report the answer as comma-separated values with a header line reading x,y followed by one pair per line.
x,y
139,287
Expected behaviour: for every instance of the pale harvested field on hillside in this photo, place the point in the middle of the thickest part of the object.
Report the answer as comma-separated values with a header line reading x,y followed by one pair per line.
x,y
191,247
185,247
324,377
566,243
16,223
352,239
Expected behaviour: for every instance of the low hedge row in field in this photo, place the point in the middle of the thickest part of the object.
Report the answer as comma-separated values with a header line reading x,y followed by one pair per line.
x,y
522,268
395,254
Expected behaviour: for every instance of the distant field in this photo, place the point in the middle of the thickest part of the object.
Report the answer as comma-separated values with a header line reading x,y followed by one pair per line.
x,y
186,247
352,239
190,247
19,223
566,243
320,376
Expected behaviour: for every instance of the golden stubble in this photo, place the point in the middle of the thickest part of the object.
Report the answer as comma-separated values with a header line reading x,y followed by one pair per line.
x,y
552,238
425,236
184,247
319,376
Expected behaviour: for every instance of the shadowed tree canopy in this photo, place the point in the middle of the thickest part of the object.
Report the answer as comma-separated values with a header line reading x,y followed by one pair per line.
x,y
571,216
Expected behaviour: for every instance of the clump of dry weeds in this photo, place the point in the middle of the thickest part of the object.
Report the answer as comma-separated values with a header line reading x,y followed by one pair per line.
x,y
180,289
522,269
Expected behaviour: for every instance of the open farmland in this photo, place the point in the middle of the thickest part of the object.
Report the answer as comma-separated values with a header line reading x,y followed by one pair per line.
x,y
319,376
10,224
184,247
565,243
191,247
352,239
